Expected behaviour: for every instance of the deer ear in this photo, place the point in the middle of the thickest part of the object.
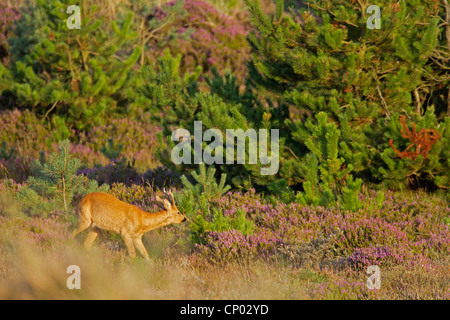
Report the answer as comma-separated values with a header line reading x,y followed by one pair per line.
x,y
165,202
167,205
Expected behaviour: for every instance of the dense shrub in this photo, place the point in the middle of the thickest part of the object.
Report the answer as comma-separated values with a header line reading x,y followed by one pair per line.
x,y
15,168
75,77
23,137
54,184
343,289
157,178
198,196
137,194
23,131
7,17
415,153
137,137
26,133
113,173
204,36
364,100
402,231
39,232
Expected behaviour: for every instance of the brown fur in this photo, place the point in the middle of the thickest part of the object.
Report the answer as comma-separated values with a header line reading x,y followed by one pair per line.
x,y
101,210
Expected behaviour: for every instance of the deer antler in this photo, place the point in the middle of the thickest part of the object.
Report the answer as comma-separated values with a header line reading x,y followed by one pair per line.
x,y
159,199
173,201
170,194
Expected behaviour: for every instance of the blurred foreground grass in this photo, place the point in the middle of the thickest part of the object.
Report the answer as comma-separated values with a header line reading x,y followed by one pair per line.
x,y
35,254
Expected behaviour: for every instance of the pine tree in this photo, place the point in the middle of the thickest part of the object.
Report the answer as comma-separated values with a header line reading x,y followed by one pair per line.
x,y
6,154
223,107
417,148
313,59
54,184
323,58
200,195
219,222
73,77
328,179
111,151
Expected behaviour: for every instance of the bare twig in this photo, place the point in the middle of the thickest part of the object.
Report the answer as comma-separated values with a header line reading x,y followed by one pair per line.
x,y
418,103
50,110
382,100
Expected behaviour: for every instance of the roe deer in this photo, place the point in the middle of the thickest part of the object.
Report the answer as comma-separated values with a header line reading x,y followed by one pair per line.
x,y
101,210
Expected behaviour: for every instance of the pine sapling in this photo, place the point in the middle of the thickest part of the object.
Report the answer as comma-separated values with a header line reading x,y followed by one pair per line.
x,y
328,179
55,183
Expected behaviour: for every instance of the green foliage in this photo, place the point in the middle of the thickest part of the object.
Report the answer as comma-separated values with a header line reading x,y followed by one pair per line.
x,y
376,203
225,107
200,226
447,220
429,170
323,58
332,87
111,151
166,88
281,189
200,195
4,153
75,77
196,200
328,181
54,184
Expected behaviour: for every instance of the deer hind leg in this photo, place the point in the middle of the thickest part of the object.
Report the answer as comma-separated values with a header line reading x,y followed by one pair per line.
x,y
130,245
83,224
140,246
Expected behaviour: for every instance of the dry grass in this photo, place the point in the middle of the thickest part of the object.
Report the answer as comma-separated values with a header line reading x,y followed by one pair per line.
x,y
36,269
28,273
34,260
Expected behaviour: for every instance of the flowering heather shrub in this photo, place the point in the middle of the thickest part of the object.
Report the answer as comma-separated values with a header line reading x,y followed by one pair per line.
x,y
319,252
113,173
87,156
207,37
138,195
141,195
157,178
7,17
16,168
137,136
343,289
384,237
230,201
361,233
161,177
232,245
24,131
37,231
380,255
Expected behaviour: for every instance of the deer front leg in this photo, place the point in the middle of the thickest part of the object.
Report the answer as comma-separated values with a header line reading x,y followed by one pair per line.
x,y
92,235
140,246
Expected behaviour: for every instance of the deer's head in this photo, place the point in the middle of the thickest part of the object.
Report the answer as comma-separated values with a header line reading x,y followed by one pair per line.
x,y
175,215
